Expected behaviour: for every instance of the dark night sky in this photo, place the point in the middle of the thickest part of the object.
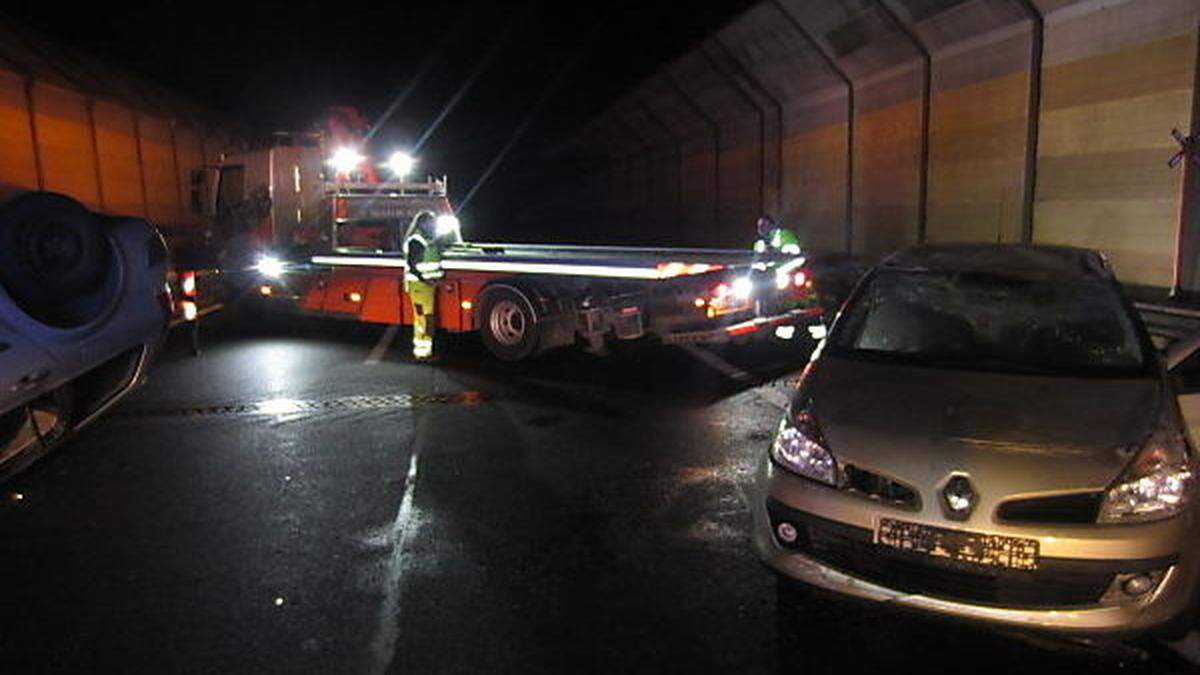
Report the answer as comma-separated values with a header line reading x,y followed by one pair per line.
x,y
277,66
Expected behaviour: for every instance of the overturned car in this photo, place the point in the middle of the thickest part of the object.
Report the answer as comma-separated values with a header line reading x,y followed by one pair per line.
x,y
83,309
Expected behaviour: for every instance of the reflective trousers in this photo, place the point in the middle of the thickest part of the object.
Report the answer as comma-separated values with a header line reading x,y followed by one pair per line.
x,y
424,300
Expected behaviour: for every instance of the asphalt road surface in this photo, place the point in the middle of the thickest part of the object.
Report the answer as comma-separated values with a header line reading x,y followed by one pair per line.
x,y
302,498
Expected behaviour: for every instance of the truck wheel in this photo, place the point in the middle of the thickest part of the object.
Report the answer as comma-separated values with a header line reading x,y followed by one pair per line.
x,y
54,256
508,325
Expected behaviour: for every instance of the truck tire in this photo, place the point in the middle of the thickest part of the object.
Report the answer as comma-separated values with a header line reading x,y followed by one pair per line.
x,y
54,258
508,324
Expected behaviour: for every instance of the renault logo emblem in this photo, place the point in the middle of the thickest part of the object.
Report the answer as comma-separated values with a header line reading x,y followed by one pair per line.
x,y
958,497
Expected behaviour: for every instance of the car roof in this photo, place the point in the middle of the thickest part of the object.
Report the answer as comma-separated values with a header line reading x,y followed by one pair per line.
x,y
1014,260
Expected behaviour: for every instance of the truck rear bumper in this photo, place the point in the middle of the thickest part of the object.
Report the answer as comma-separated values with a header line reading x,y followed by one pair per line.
x,y
748,328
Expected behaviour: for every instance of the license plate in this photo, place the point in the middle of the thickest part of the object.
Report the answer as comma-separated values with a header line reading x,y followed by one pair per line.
x,y
959,545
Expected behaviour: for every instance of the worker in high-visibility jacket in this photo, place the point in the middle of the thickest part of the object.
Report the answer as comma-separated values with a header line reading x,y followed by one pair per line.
x,y
427,238
775,239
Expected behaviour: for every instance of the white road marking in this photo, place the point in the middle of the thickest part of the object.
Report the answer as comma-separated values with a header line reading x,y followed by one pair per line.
x,y
767,393
381,347
383,647
717,363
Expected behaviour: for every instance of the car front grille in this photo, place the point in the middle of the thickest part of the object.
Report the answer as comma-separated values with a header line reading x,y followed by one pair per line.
x,y
1071,508
1057,583
875,486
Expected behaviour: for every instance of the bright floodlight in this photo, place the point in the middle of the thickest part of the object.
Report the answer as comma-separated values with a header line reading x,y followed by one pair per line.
x,y
447,224
401,164
270,267
345,159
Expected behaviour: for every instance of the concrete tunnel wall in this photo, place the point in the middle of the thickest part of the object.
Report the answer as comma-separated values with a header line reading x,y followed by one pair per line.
x,y
867,125
120,145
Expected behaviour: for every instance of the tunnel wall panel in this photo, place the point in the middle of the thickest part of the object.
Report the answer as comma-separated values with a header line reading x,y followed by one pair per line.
x,y
815,187
158,158
741,186
18,165
668,217
887,155
699,185
190,153
1102,175
120,171
977,161
1076,155
65,144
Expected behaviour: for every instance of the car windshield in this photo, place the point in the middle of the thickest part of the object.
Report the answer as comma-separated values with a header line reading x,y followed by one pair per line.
x,y
980,321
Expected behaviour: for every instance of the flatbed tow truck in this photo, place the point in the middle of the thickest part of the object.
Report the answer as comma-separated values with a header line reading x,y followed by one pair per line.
x,y
328,234
528,298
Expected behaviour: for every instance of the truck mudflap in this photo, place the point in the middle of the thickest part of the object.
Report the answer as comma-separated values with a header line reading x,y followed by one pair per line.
x,y
748,328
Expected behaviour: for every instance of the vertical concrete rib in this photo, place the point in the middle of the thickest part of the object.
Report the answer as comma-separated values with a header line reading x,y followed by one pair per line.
x,y
1033,115
137,137
175,165
90,105
677,142
755,84
33,133
1187,234
648,156
716,136
851,113
926,106
762,124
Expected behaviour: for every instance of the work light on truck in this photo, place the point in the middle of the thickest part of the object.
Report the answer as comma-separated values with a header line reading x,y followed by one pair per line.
x,y
401,164
269,266
346,160
447,224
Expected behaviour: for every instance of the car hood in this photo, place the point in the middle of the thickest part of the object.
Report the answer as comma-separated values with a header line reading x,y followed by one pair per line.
x,y
1012,434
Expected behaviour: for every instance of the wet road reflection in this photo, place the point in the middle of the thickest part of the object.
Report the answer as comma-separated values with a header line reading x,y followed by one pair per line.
x,y
339,516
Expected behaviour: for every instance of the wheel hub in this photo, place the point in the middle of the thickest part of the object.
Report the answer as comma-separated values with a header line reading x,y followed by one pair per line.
x,y
507,323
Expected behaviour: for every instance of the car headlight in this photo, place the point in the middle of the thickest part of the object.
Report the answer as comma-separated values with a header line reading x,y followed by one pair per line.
x,y
1157,483
800,448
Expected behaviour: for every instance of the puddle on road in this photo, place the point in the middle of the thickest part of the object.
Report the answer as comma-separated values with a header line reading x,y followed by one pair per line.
x,y
290,406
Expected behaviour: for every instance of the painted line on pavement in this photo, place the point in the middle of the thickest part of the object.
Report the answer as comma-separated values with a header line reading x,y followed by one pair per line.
x,y
381,347
767,393
717,363
383,646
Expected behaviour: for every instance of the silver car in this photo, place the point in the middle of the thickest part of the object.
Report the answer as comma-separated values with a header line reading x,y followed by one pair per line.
x,y
988,432
83,309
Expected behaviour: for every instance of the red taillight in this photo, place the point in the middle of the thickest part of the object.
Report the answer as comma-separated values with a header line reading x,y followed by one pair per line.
x,y
187,284
799,279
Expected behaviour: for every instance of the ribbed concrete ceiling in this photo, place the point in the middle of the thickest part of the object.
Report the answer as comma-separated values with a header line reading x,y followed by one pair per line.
x,y
765,42
709,89
858,33
778,53
958,20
